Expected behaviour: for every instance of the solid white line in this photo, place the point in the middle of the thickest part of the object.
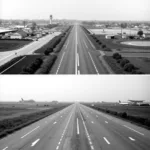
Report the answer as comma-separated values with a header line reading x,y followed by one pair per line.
x,y
35,142
131,139
60,63
78,71
133,130
67,44
12,65
5,148
92,122
89,41
30,132
76,53
93,63
106,122
54,122
78,132
85,44
78,59
106,140
57,147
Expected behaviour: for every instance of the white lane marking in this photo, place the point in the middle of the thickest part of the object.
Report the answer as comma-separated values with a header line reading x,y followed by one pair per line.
x,y
13,65
76,52
78,71
131,139
133,130
5,148
78,132
60,63
85,44
78,59
106,122
93,63
30,132
35,142
106,140
89,139
92,122
55,122
89,41
64,131
61,116
67,44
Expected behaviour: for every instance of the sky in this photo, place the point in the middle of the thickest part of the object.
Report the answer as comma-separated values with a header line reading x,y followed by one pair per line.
x,y
75,88
76,9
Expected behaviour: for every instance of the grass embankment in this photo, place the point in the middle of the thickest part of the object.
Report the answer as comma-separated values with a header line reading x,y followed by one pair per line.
x,y
11,125
136,114
121,65
7,45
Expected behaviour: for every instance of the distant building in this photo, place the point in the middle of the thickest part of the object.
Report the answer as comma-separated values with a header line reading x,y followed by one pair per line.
x,y
19,35
109,36
26,101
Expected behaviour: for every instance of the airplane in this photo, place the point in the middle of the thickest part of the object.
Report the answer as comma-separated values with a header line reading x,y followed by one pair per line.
x,y
123,103
132,102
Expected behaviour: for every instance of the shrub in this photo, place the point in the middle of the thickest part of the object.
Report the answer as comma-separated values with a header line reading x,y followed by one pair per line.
x,y
119,60
107,49
124,62
129,67
123,115
147,122
117,56
137,72
48,50
103,46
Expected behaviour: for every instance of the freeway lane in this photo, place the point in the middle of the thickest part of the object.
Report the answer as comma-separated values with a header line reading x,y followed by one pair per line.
x,y
112,133
78,56
78,127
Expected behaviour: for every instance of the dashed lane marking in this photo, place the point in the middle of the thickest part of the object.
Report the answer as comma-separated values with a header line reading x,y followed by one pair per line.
x,y
35,142
30,132
60,63
106,140
131,139
133,130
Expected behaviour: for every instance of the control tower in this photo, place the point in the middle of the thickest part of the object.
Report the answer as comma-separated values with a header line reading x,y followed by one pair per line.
x,y
50,19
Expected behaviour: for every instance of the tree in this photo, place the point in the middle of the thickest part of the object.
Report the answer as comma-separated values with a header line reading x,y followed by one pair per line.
x,y
34,25
123,26
140,33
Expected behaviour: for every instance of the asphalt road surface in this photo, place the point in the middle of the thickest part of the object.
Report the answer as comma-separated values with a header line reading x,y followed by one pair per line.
x,y
78,56
78,127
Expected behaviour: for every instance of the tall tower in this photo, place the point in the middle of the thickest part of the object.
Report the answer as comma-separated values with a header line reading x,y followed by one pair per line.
x,y
50,19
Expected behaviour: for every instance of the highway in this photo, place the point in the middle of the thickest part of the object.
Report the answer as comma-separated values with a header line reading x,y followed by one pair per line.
x,y
27,49
78,127
78,56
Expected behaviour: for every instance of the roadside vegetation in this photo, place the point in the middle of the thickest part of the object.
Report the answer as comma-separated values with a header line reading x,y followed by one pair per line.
x,y
136,114
10,125
121,65
7,45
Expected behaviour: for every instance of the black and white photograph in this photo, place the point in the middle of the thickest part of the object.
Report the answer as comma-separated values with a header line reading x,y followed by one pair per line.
x,y
74,75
